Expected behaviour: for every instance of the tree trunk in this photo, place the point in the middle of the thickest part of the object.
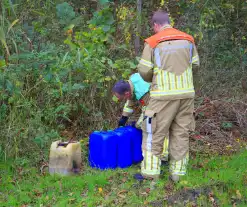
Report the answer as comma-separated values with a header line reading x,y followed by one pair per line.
x,y
138,28
115,17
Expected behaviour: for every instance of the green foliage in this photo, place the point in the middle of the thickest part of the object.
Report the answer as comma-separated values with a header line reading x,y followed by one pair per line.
x,y
227,125
59,60
65,13
103,18
53,86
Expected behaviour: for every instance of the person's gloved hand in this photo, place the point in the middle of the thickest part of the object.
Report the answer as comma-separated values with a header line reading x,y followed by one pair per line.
x,y
123,121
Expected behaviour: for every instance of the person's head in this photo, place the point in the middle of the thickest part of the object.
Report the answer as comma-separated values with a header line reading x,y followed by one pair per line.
x,y
122,90
159,19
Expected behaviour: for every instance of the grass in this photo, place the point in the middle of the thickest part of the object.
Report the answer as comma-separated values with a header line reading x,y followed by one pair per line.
x,y
220,181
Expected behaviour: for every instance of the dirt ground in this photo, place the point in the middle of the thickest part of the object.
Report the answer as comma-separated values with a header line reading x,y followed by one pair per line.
x,y
221,126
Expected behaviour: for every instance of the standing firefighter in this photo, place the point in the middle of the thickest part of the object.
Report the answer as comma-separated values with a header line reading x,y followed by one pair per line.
x,y
166,62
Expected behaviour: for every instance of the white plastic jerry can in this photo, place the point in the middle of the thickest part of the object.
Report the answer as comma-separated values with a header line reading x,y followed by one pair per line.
x,y
65,158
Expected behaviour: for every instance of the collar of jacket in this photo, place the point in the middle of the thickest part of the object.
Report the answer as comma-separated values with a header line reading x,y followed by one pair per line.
x,y
165,27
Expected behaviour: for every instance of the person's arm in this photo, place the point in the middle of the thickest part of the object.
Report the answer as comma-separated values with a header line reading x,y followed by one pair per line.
x,y
145,66
195,57
127,111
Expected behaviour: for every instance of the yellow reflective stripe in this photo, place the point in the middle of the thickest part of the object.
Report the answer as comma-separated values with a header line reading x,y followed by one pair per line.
x,y
156,70
195,58
179,167
165,147
149,161
172,92
172,78
187,79
170,84
190,77
169,81
128,110
162,79
146,63
182,81
167,84
153,167
179,82
151,172
176,81
166,144
142,164
158,78
145,160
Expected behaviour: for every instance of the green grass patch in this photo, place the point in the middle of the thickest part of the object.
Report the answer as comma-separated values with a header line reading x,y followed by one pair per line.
x,y
222,180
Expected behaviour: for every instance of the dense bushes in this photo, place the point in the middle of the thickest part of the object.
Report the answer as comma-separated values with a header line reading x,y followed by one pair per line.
x,y
59,61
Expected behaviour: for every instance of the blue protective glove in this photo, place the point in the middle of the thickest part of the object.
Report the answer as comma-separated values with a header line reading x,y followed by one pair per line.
x,y
123,121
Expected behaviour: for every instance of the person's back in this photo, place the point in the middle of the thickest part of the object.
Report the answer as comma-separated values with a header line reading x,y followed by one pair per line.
x,y
140,87
132,91
172,67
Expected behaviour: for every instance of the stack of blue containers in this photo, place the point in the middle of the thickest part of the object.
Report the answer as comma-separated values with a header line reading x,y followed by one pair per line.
x,y
115,148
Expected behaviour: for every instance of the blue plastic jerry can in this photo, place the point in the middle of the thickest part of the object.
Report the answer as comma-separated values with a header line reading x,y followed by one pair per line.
x,y
124,153
136,143
103,150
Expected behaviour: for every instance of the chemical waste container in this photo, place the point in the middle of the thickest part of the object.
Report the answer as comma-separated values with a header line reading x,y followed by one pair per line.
x,y
65,158
124,150
103,150
110,149
136,143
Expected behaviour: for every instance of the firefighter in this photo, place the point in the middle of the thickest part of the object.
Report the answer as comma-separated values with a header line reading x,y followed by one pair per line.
x,y
135,91
166,63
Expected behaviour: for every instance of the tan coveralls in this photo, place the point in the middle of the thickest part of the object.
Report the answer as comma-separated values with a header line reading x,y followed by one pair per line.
x,y
168,67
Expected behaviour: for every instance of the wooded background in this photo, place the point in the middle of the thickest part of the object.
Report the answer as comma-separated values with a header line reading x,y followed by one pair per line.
x,y
58,61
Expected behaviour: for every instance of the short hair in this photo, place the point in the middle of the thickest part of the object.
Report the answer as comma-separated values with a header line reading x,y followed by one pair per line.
x,y
121,87
160,17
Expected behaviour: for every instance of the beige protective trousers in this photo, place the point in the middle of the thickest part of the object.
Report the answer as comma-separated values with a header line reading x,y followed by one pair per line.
x,y
163,118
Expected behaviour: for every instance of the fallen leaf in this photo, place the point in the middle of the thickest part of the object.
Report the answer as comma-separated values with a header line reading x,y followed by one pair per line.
x,y
124,180
184,182
196,136
121,192
211,199
144,193
37,193
100,190
122,196
239,196
71,200
147,190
